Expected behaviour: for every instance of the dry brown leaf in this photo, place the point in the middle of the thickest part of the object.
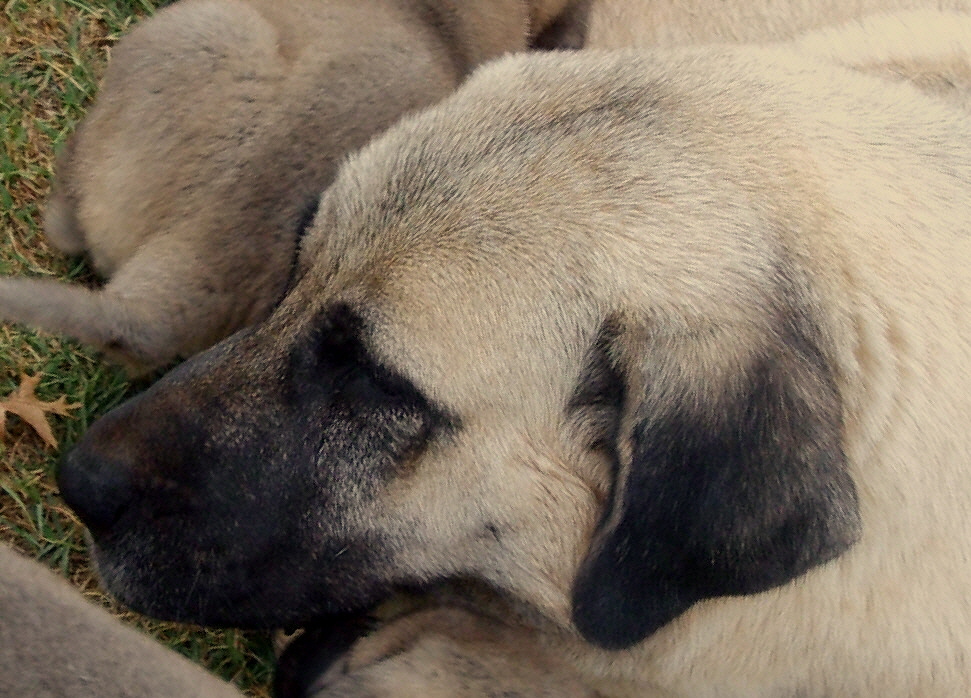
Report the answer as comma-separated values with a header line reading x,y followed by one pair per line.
x,y
25,404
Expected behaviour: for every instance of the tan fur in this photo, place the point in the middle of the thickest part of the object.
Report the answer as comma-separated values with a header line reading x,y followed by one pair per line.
x,y
625,23
55,644
218,124
920,41
571,255
867,185
926,48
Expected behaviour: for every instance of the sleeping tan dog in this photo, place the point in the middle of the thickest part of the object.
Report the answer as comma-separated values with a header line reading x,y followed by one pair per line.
x,y
218,125
656,362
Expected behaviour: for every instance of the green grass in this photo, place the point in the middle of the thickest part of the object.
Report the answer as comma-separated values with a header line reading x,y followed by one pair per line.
x,y
52,53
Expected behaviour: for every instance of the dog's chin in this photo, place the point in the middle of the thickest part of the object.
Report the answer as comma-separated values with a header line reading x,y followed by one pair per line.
x,y
146,585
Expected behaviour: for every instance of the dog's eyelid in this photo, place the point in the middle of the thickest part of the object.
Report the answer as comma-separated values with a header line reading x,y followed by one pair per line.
x,y
339,334
337,344
340,342
601,390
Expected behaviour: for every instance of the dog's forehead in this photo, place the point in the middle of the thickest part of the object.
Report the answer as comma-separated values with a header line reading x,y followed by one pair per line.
x,y
538,170
500,158
467,322
439,232
464,331
491,236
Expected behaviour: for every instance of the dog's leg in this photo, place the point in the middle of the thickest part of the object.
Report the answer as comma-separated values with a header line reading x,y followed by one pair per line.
x,y
95,317
52,306
159,303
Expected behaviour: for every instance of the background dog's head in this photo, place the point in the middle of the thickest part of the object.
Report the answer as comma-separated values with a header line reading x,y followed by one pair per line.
x,y
560,340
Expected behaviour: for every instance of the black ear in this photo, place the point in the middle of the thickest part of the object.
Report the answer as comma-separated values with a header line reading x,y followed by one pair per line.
x,y
731,490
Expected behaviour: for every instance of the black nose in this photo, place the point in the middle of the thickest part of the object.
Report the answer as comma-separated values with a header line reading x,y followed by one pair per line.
x,y
97,486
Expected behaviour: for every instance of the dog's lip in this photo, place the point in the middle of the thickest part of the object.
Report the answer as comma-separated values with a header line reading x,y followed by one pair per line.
x,y
236,607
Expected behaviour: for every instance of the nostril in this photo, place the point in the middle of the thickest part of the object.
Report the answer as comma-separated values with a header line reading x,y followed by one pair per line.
x,y
99,489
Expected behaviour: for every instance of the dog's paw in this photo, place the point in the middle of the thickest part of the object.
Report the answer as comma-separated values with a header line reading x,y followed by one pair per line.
x,y
433,653
312,653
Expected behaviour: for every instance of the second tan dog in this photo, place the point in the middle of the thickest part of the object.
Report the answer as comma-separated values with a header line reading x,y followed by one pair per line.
x,y
218,124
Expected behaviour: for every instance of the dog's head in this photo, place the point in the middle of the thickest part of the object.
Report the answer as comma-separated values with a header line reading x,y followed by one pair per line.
x,y
557,340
